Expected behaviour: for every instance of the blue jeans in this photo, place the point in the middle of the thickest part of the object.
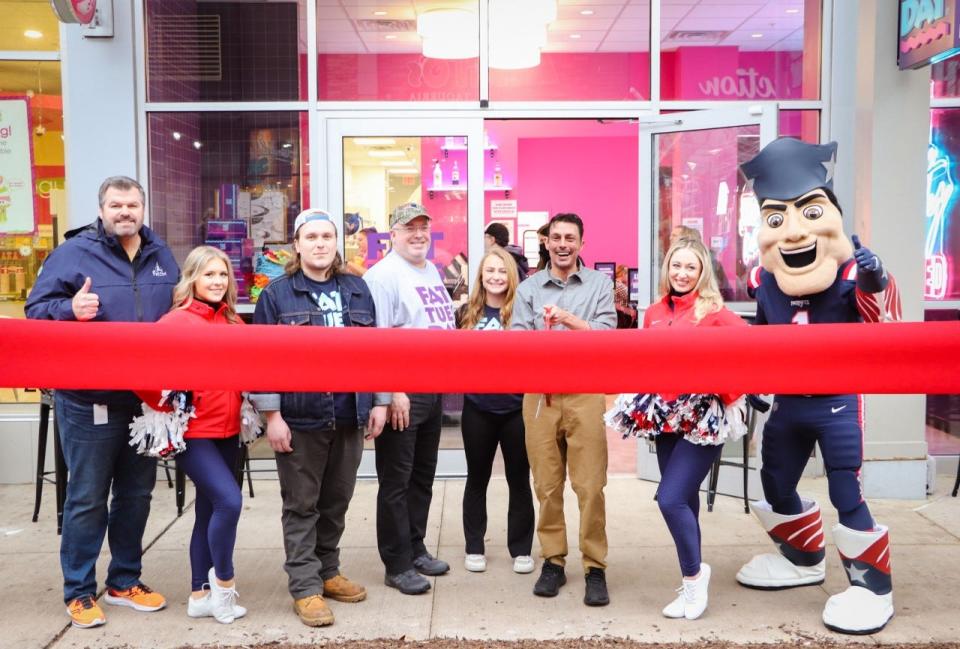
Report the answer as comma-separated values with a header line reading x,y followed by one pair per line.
x,y
98,458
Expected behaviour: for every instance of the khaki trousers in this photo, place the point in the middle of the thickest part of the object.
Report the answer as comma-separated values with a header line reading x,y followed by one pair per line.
x,y
568,432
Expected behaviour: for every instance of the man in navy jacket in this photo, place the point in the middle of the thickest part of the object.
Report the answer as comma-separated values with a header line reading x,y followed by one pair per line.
x,y
113,270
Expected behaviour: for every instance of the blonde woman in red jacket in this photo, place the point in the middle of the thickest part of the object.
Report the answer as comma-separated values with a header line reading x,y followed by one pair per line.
x,y
207,295
690,299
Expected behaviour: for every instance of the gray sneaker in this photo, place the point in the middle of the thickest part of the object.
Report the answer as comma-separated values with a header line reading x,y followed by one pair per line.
x,y
426,564
408,582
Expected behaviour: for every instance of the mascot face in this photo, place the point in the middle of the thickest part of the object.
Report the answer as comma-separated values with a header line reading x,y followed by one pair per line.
x,y
802,242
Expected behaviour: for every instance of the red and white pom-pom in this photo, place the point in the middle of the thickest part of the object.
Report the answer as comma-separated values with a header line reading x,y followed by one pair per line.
x,y
158,433
640,415
704,419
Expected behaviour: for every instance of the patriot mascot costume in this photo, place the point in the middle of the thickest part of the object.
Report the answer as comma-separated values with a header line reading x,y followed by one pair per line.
x,y
811,273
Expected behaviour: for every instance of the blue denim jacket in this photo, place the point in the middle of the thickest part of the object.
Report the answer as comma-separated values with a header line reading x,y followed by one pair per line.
x,y
286,300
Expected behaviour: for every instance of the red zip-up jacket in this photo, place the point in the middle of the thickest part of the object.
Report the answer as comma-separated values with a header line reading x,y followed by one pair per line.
x,y
678,312
218,411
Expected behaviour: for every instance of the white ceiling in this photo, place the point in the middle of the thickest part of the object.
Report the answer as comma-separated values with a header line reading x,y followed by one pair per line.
x,y
614,25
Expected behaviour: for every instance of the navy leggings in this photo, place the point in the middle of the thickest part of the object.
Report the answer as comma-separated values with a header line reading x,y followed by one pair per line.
x,y
683,466
210,465
835,424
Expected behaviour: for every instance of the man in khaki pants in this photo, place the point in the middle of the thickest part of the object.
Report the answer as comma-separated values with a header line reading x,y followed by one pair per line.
x,y
567,429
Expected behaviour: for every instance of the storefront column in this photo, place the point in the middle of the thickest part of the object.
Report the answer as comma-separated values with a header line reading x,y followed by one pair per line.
x,y
99,111
880,117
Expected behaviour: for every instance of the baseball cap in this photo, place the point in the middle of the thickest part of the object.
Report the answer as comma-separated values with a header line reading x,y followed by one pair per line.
x,y
311,214
407,212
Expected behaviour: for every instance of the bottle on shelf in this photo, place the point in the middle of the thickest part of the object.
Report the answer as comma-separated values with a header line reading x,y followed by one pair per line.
x,y
455,174
497,175
437,174
19,280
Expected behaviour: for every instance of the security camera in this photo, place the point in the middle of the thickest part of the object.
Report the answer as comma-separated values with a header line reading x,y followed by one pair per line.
x,y
40,130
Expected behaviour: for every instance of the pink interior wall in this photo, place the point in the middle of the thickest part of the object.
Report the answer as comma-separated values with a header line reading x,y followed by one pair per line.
x,y
595,177
686,73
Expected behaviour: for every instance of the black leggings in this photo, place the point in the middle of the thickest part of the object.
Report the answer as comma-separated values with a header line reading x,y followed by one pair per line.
x,y
482,432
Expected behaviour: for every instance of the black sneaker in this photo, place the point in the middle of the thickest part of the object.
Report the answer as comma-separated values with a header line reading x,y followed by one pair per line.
x,y
408,582
426,564
596,591
552,577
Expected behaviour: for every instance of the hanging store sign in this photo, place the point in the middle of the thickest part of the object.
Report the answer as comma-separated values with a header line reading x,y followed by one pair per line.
x,y
75,11
928,32
16,170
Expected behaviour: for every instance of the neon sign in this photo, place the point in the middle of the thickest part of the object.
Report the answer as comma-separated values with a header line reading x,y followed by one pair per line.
x,y
941,193
928,32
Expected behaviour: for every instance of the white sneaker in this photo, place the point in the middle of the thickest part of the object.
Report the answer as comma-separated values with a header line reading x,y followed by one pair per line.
x,y
524,564
695,594
203,607
222,600
774,571
475,562
675,609
858,611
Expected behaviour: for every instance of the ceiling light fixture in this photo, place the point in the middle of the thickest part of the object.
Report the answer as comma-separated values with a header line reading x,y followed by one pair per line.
x,y
574,35
449,34
395,163
757,35
586,12
390,37
386,154
176,135
518,31
380,13
33,33
793,11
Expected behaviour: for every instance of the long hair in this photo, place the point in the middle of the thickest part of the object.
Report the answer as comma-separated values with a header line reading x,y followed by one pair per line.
x,y
474,309
709,299
196,261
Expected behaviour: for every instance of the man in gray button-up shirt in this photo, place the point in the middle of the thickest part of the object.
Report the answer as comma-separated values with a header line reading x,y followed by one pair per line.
x,y
567,429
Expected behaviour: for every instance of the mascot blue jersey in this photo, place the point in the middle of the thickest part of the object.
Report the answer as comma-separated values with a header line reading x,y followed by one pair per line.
x,y
841,302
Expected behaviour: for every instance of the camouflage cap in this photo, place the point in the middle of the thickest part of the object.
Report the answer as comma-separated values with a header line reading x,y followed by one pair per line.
x,y
407,212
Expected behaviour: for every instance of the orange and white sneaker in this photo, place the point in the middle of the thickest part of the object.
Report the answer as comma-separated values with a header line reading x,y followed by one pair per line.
x,y
85,613
139,597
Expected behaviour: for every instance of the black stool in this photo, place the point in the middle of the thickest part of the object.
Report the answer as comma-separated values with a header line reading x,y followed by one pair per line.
x,y
59,480
956,485
754,404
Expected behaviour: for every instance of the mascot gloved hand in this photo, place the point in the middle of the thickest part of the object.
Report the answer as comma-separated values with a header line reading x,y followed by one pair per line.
x,y
812,273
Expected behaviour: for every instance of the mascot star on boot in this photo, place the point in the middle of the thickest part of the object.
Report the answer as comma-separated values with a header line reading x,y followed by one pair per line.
x,y
812,273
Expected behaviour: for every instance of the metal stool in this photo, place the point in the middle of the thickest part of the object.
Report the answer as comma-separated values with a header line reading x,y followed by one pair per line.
x,y
754,404
60,466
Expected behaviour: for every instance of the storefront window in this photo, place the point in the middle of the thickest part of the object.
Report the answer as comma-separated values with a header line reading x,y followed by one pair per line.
x,y
588,52
537,168
700,187
231,180
740,51
393,52
32,199
801,124
941,275
226,51
944,80
28,26
380,173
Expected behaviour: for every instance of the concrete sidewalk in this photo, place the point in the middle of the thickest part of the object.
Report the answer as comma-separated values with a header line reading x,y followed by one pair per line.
x,y
497,604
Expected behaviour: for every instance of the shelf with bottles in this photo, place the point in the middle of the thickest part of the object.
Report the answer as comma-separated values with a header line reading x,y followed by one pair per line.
x,y
490,148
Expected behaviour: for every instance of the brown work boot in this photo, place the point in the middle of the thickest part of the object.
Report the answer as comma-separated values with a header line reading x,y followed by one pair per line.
x,y
313,611
341,589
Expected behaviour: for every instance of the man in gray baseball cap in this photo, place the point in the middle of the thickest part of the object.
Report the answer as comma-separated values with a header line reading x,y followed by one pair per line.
x,y
409,293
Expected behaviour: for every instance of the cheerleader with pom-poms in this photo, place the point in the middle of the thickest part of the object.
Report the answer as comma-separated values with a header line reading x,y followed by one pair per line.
x,y
203,429
688,429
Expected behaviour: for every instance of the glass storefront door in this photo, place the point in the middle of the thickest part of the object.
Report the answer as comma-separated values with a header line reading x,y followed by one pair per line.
x,y
376,165
691,184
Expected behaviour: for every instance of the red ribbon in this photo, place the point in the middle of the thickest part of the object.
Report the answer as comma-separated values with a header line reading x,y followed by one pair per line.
x,y
817,359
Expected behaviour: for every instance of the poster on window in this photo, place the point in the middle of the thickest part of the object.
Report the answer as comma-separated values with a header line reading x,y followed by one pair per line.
x,y
16,169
